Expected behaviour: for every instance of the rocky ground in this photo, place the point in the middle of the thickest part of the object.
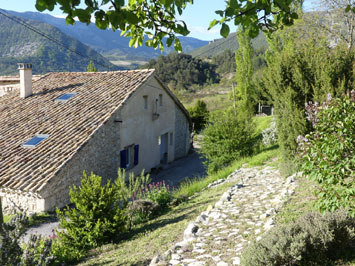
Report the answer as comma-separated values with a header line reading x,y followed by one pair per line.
x,y
243,214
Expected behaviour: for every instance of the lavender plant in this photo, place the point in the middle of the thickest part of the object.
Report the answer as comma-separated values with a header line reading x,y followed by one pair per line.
x,y
36,252
158,193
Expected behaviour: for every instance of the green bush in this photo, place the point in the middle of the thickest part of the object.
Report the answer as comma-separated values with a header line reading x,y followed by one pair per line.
x,y
98,216
225,140
35,252
312,240
199,115
141,210
158,193
133,189
328,153
301,70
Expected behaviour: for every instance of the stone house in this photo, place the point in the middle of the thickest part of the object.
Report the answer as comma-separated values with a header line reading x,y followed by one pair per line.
x,y
65,123
11,83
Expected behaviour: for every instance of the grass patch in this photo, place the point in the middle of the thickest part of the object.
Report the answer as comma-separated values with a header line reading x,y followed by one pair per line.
x,y
298,204
264,156
262,123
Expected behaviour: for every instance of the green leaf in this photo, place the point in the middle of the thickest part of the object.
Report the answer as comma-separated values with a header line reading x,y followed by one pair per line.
x,y
69,20
119,2
212,24
348,7
82,14
131,18
177,45
42,5
219,12
294,15
169,41
225,30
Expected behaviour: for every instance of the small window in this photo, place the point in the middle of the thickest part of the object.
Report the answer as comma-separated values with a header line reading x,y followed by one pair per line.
x,y
160,99
35,140
145,97
65,97
129,156
171,138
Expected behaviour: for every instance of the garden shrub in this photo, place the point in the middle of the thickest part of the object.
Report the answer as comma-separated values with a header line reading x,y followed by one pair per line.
x,y
133,189
199,115
226,139
301,70
141,210
328,153
312,240
35,252
97,217
158,193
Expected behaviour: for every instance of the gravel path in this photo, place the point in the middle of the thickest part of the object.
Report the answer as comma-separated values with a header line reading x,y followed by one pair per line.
x,y
243,213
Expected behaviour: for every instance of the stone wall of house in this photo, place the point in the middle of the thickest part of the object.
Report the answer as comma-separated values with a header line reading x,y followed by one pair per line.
x,y
18,201
100,155
182,134
144,125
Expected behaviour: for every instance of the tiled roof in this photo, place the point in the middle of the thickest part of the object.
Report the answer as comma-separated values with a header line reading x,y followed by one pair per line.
x,y
69,124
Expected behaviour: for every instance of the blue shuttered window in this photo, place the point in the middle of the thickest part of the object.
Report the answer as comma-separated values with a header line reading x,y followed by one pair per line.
x,y
136,154
123,154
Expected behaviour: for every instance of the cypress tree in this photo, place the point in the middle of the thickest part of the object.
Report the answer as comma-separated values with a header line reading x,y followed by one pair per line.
x,y
244,89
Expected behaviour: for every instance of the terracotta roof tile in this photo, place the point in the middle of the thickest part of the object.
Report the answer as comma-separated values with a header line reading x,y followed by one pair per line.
x,y
69,124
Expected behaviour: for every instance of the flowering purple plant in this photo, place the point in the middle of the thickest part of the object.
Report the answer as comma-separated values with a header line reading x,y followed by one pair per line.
x,y
158,192
327,153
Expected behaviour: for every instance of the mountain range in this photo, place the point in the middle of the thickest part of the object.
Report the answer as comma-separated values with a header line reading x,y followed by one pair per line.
x,y
217,46
110,44
20,44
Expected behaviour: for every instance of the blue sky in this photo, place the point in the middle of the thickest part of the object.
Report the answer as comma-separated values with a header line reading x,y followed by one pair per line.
x,y
197,16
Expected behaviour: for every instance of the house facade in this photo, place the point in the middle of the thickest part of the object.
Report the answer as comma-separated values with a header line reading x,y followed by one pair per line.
x,y
67,123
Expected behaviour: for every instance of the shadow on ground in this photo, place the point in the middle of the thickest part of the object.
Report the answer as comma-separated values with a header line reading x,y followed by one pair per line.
x,y
187,167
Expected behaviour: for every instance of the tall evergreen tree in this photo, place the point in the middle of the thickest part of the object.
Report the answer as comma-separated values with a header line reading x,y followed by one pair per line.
x,y
91,67
244,89
302,67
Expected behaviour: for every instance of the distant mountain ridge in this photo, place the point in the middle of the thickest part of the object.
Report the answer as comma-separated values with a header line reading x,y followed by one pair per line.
x,y
217,46
108,43
19,44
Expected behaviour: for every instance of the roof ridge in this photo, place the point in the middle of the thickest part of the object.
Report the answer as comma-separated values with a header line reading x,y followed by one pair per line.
x,y
104,72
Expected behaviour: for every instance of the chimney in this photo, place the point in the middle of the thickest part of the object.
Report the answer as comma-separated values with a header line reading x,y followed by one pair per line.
x,y
25,79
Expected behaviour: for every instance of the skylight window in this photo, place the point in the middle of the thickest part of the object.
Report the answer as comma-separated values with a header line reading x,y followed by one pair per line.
x,y
65,97
35,140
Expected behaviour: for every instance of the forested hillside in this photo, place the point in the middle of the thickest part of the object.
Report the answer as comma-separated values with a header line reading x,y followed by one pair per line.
x,y
19,44
110,44
216,47
180,71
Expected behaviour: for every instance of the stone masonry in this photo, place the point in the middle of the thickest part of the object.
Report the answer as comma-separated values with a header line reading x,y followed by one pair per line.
x,y
244,213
